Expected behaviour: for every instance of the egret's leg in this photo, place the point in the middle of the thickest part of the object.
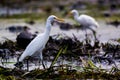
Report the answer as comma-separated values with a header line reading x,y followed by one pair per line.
x,y
19,64
41,58
86,36
27,62
27,65
94,33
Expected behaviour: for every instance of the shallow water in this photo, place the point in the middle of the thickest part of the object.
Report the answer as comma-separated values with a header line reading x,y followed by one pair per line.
x,y
73,64
104,34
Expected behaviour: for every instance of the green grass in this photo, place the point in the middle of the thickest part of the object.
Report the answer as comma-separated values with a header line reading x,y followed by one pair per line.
x,y
42,16
58,55
25,16
59,73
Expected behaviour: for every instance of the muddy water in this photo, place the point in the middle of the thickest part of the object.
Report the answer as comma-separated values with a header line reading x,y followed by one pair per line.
x,y
104,34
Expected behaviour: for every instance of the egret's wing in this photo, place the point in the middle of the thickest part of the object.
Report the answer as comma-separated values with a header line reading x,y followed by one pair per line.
x,y
35,45
87,20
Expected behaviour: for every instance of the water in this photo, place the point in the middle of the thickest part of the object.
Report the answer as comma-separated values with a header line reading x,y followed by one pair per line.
x,y
4,11
73,64
104,34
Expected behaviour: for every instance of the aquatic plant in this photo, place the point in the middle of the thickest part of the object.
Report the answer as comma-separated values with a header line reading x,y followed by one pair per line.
x,y
69,49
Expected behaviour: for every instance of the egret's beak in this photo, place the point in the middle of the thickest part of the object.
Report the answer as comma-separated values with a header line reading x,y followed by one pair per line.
x,y
69,14
59,19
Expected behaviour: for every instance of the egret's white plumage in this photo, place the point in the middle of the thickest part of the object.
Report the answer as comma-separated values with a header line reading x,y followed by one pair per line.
x,y
85,20
38,43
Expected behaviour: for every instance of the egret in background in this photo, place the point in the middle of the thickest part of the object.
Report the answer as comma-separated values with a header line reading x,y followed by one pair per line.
x,y
36,46
87,22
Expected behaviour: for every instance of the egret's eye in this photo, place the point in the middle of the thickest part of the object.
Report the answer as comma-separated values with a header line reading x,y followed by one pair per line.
x,y
54,17
52,22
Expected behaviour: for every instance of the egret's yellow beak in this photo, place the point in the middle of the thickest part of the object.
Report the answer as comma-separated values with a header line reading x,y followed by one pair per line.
x,y
70,13
59,19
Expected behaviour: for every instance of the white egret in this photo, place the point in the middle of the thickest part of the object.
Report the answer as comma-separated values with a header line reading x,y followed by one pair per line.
x,y
38,43
87,22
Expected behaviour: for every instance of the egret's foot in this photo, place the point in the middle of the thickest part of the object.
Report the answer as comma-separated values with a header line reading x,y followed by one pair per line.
x,y
43,65
19,65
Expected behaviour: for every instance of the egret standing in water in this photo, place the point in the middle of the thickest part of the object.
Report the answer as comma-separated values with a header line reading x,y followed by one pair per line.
x,y
38,43
87,22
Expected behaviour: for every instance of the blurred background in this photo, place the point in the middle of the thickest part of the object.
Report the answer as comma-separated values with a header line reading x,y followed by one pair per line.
x,y
33,13
38,8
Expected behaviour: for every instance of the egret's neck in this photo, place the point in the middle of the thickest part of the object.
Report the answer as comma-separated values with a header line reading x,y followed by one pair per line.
x,y
76,15
48,27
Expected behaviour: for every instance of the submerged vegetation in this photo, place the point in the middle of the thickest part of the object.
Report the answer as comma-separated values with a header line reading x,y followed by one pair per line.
x,y
82,57
59,73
